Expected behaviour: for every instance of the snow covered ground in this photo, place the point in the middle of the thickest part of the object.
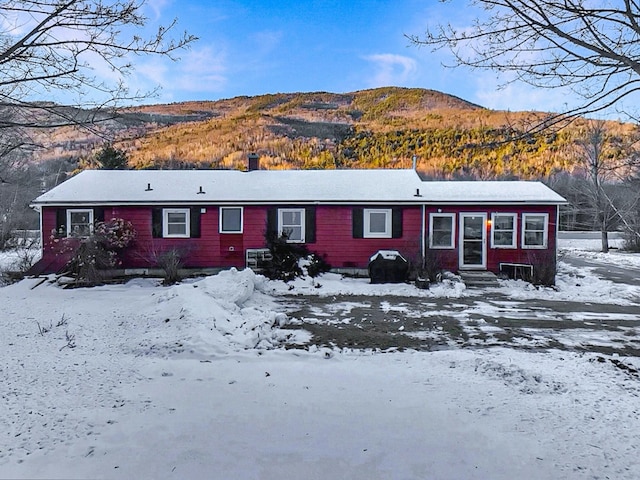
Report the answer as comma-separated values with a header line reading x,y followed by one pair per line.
x,y
193,381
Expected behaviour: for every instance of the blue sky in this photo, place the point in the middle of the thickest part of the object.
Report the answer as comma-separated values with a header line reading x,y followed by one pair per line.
x,y
250,47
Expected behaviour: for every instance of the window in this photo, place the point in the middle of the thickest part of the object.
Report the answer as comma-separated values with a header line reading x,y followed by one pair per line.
x,y
503,230
175,222
441,230
377,223
534,230
79,222
298,224
231,219
291,223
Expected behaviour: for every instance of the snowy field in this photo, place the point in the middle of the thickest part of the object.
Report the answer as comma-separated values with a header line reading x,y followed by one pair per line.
x,y
194,381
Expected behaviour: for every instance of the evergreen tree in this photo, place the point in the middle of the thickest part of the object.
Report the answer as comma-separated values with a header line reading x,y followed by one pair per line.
x,y
110,158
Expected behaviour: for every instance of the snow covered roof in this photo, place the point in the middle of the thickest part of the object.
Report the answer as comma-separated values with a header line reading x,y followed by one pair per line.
x,y
454,192
120,187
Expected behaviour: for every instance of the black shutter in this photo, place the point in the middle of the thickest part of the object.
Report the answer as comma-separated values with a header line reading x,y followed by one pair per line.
x,y
396,223
357,216
272,223
195,222
98,215
61,221
310,225
156,223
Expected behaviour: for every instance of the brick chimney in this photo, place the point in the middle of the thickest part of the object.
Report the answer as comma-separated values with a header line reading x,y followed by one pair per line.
x,y
254,162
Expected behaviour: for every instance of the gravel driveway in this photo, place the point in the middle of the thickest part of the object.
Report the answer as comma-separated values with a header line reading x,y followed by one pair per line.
x,y
483,319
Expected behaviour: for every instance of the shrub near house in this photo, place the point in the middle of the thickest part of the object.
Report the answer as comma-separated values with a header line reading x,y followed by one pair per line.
x,y
91,249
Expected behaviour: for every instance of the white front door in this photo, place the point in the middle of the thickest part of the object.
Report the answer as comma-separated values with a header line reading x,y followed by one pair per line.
x,y
473,240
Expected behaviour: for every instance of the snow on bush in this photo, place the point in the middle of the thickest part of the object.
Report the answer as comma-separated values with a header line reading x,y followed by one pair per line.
x,y
19,259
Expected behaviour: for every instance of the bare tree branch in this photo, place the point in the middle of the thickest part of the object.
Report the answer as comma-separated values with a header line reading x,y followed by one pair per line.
x,y
592,47
49,46
54,45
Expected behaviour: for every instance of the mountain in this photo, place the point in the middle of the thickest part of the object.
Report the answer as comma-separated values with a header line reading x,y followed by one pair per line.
x,y
377,128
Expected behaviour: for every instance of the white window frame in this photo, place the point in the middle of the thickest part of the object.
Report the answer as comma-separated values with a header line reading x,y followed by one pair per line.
x,y
452,244
366,227
165,222
220,214
545,231
79,210
281,227
514,230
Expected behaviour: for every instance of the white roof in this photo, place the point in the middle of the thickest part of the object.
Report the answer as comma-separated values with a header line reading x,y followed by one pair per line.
x,y
458,192
119,187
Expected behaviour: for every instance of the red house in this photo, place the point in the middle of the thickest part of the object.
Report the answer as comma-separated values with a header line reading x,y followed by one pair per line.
x,y
218,218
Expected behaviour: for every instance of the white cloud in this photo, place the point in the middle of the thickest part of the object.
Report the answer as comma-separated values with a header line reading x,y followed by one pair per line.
x,y
158,6
14,24
391,69
267,41
153,71
198,70
202,70
496,94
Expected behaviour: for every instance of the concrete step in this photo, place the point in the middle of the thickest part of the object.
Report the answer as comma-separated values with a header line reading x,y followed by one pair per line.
x,y
479,278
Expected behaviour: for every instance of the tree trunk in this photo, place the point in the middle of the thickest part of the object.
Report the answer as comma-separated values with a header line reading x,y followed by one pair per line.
x,y
605,241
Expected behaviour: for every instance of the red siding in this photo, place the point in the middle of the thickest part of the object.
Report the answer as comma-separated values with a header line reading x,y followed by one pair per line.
x,y
334,237
54,256
199,252
449,258
211,249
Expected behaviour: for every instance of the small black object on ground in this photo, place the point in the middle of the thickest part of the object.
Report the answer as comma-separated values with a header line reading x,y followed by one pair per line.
x,y
388,266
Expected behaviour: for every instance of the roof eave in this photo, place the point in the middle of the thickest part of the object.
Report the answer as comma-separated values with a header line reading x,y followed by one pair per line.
x,y
297,202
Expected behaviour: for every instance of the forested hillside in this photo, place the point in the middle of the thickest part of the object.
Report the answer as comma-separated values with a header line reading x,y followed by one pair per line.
x,y
380,128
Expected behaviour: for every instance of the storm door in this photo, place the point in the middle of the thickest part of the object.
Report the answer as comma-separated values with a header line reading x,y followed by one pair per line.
x,y
473,240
